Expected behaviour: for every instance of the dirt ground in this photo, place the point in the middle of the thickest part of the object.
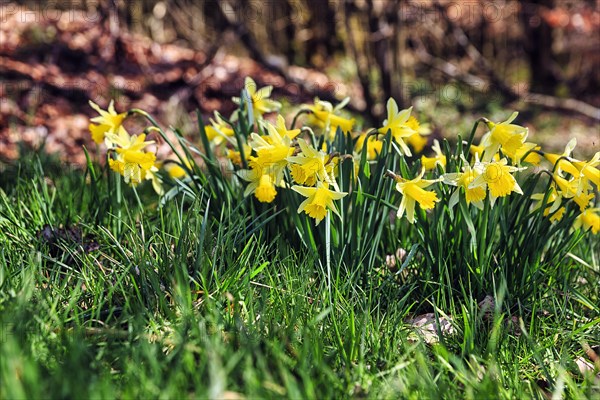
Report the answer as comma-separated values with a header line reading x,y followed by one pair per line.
x,y
51,67
52,64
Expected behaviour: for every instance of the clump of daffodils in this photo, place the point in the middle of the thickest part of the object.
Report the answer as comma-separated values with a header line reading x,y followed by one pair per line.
x,y
325,116
128,154
280,151
574,180
268,164
274,156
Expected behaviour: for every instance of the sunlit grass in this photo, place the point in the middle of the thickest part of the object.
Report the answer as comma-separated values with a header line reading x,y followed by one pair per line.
x,y
112,291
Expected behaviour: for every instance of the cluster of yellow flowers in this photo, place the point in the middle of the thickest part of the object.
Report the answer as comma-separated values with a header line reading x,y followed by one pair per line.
x,y
491,172
128,152
280,149
573,179
266,158
577,184
312,170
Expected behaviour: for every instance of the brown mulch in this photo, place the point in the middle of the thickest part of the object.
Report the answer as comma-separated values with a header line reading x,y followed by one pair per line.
x,y
53,63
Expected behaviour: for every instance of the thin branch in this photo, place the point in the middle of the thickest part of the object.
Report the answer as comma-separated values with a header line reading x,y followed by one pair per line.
x,y
363,77
546,101
573,105
476,56
508,92
245,35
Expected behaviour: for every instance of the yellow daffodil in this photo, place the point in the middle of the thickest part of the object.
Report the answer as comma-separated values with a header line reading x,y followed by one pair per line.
x,y
497,177
589,219
123,141
319,199
262,186
583,174
153,176
509,137
413,192
532,158
477,150
309,166
397,122
283,130
583,199
131,160
474,195
270,153
563,164
175,169
261,104
557,216
553,201
265,191
569,190
109,122
587,172
418,140
272,150
218,131
439,158
323,114
373,147
236,157
262,183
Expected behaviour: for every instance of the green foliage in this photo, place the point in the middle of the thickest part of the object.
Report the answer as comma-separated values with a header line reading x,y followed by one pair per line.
x,y
137,318
109,291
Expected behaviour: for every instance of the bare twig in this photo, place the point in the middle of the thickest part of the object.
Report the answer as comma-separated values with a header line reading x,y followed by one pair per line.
x,y
546,101
245,36
476,56
573,105
495,81
363,77
380,48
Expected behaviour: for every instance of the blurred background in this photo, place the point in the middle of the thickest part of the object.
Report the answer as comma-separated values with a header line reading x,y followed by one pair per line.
x,y
454,61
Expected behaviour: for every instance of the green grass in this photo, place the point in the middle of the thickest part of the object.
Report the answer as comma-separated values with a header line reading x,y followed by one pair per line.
x,y
177,302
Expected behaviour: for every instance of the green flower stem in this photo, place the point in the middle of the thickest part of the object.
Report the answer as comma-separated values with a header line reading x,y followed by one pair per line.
x,y
240,145
137,198
299,113
159,130
156,127
328,250
472,136
119,200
